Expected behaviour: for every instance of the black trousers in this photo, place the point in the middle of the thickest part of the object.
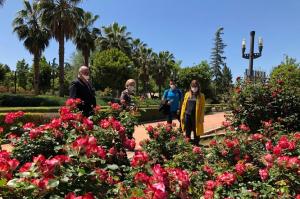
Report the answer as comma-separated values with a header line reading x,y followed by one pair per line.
x,y
190,125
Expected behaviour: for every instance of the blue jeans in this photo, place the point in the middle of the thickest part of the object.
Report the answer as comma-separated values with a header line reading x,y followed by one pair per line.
x,y
170,117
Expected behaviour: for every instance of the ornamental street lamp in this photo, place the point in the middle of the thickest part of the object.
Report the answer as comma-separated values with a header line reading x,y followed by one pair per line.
x,y
251,55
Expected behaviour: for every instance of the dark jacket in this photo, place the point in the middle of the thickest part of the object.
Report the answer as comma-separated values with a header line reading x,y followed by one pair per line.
x,y
85,92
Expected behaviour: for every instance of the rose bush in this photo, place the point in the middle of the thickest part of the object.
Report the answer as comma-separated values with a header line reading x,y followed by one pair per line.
x,y
253,103
78,157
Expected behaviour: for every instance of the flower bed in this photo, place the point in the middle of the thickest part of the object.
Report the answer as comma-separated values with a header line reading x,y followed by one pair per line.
x,y
77,157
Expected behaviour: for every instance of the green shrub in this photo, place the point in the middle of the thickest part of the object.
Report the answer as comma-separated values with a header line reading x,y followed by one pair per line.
x,y
10,100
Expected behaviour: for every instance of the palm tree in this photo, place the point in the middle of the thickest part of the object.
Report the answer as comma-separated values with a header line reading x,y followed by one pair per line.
x,y
28,27
136,48
146,60
62,17
115,36
162,67
86,36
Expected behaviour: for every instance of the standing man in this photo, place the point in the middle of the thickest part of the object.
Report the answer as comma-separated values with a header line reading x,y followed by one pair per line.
x,y
83,89
173,97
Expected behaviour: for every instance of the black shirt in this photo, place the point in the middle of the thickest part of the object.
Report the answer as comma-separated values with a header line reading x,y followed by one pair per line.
x,y
191,105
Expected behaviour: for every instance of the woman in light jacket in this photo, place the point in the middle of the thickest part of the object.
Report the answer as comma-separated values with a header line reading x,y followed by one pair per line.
x,y
192,112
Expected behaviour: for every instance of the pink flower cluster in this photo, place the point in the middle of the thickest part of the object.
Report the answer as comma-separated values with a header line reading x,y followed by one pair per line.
x,y
12,116
139,159
73,103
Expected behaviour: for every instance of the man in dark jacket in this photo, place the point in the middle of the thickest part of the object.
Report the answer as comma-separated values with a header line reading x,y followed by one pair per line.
x,y
83,89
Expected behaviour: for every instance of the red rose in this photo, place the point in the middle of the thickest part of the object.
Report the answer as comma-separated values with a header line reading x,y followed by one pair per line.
x,y
208,194
268,158
282,160
208,170
283,142
139,159
197,150
293,162
210,185
141,177
213,142
25,167
292,145
264,174
244,127
240,168
257,136
277,150
227,178
1,129
269,145
149,129
103,174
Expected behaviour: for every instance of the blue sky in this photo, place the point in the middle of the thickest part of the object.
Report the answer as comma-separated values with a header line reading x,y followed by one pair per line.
x,y
184,27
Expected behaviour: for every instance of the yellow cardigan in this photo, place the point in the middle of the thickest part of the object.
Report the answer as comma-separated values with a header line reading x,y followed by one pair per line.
x,y
200,105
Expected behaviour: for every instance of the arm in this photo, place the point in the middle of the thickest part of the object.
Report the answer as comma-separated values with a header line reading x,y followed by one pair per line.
x,y
73,90
202,103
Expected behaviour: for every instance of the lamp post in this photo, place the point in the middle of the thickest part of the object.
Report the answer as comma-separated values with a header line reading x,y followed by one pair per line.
x,y
251,55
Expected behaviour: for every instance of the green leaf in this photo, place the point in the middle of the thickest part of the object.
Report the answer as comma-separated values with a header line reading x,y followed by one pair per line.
x,y
3,182
13,183
112,166
53,183
81,172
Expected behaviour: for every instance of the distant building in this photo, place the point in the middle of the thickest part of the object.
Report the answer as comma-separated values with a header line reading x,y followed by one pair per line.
x,y
258,75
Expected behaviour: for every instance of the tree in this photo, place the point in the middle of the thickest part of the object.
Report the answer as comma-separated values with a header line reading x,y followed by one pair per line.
x,y
201,72
226,79
145,63
111,69
289,72
115,36
162,67
62,17
2,2
36,37
22,69
136,48
86,36
45,75
218,60
4,69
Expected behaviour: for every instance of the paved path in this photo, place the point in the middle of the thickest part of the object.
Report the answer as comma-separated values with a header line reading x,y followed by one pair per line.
x,y
211,121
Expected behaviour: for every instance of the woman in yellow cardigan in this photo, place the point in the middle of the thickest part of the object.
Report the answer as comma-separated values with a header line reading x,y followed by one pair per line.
x,y
192,112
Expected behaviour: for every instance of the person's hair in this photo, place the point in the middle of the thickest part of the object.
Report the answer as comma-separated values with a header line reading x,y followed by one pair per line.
x,y
195,83
129,82
173,81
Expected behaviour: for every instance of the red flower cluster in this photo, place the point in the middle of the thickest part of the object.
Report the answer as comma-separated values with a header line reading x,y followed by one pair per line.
x,y
139,159
240,168
226,178
7,165
244,128
12,116
72,195
115,106
175,180
72,103
88,145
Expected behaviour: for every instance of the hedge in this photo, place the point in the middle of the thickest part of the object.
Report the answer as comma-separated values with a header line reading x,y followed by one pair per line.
x,y
41,115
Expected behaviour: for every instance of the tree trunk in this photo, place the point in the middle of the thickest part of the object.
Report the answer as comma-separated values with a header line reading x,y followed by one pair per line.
x,y
159,91
61,65
86,58
36,66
